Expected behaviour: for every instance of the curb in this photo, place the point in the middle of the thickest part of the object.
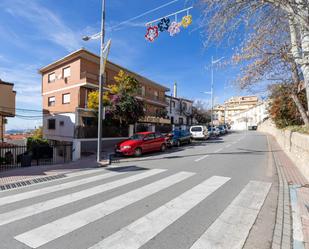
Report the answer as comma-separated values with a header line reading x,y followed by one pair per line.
x,y
283,226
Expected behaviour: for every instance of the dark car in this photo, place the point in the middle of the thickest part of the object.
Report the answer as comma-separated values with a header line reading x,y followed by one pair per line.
x,y
222,130
213,131
140,143
180,137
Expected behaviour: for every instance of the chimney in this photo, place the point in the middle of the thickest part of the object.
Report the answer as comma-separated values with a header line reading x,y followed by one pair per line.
x,y
175,90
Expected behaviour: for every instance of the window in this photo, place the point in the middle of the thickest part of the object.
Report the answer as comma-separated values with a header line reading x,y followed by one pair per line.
x,y
66,72
51,124
180,121
173,104
149,137
51,101
156,94
51,77
143,91
66,98
61,123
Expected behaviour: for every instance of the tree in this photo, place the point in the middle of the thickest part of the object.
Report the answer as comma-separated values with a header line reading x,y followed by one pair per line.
x,y
37,133
283,110
120,100
267,58
200,113
224,17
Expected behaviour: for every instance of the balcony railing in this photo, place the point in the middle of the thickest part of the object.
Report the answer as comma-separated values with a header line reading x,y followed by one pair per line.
x,y
90,76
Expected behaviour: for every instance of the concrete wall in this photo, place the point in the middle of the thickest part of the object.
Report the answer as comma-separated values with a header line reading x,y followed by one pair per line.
x,y
108,144
295,145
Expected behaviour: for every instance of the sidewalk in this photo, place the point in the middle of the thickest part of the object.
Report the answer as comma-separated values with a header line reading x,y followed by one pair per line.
x,y
36,172
299,196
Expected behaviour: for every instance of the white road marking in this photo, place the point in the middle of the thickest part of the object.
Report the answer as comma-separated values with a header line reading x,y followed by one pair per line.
x,y
42,191
228,145
142,230
51,231
232,227
218,150
201,158
69,175
82,172
40,207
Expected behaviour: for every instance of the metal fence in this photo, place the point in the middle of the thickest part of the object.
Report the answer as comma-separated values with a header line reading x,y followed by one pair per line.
x,y
12,156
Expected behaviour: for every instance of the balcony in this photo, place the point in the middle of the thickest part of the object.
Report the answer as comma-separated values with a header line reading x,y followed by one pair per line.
x,y
153,99
90,77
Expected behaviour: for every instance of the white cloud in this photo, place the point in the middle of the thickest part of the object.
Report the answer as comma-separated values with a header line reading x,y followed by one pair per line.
x,y
27,84
49,25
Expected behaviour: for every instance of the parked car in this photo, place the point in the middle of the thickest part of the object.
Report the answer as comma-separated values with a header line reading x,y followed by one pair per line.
x,y
180,137
199,132
140,143
222,129
213,131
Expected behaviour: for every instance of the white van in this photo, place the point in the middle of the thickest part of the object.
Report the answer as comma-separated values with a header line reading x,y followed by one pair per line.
x,y
199,132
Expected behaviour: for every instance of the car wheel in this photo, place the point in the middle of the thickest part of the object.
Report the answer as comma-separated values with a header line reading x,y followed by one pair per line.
x,y
163,147
138,152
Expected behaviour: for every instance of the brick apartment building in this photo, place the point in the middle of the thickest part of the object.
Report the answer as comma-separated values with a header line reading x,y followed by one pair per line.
x,y
66,84
7,105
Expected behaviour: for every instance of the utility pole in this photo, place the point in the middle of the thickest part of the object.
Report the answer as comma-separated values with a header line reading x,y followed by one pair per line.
x,y
101,82
212,91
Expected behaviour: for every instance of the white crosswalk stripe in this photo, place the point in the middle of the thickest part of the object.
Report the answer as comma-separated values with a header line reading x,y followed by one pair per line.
x,y
51,231
40,207
229,230
47,190
232,227
139,232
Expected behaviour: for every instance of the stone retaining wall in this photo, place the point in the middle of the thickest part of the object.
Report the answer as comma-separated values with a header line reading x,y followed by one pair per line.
x,y
295,145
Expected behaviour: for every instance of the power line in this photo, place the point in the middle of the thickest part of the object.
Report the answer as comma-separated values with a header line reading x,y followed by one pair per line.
x,y
139,16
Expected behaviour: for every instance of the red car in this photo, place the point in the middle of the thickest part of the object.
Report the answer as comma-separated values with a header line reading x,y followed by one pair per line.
x,y
140,143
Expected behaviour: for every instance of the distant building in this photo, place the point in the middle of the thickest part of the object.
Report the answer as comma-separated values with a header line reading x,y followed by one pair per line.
x,y
179,110
250,117
17,139
223,113
7,105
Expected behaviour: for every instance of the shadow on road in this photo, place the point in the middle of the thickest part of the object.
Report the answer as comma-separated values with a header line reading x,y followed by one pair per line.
x,y
241,152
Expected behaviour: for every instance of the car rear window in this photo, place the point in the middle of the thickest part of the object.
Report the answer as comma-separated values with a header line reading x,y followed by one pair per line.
x,y
137,137
196,128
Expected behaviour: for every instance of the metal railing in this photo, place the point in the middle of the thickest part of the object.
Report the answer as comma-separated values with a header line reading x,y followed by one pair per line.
x,y
12,156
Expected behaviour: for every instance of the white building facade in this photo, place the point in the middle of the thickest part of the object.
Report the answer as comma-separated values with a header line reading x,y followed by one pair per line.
x,y
250,117
179,111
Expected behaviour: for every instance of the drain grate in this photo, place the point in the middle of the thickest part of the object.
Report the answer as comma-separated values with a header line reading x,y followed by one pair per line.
x,y
30,182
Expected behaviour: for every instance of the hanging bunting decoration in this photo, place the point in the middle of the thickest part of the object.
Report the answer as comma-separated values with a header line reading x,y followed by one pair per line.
x,y
152,33
186,21
174,28
164,24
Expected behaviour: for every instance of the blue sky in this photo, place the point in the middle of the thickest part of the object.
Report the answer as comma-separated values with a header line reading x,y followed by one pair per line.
x,y
34,33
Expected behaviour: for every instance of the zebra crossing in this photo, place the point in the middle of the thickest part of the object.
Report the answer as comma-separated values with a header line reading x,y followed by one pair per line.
x,y
229,230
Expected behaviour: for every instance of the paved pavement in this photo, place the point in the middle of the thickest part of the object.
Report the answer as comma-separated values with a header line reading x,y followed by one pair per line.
x,y
216,194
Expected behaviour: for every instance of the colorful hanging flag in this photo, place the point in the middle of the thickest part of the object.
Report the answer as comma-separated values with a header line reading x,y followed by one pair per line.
x,y
152,33
164,24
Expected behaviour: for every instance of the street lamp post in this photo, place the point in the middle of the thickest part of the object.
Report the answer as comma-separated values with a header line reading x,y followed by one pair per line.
x,y
100,35
212,87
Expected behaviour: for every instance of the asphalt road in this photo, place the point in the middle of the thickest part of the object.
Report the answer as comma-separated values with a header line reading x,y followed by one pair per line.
x,y
216,194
